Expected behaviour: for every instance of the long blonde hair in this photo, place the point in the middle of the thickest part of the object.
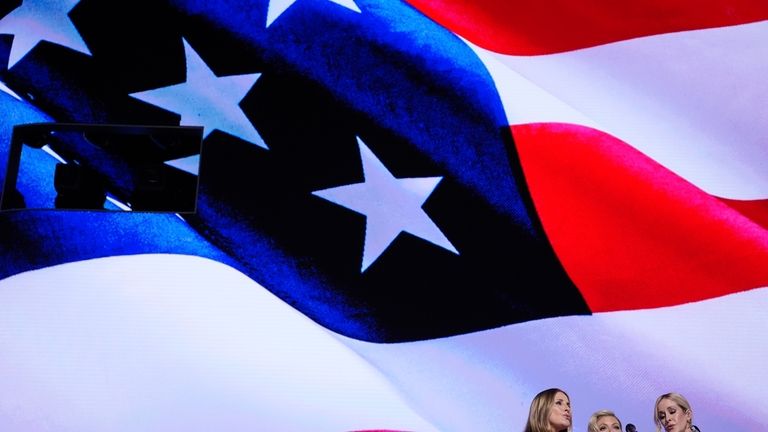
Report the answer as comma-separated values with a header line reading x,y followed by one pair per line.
x,y
677,398
538,416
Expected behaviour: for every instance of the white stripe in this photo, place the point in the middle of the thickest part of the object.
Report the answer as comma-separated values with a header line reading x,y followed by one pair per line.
x,y
713,352
696,101
176,343
162,342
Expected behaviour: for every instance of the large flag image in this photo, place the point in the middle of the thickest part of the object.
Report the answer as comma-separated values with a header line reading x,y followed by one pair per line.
x,y
407,216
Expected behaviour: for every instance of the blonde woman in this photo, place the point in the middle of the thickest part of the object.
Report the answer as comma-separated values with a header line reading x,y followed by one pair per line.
x,y
550,412
604,421
673,413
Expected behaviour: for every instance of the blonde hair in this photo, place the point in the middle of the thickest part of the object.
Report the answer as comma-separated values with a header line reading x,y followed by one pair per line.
x,y
592,425
678,399
538,416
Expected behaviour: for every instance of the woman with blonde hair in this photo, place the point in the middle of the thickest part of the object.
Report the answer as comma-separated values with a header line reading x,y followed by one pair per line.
x,y
604,421
550,412
673,413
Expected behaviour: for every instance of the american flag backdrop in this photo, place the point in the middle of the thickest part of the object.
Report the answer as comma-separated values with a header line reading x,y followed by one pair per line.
x,y
411,216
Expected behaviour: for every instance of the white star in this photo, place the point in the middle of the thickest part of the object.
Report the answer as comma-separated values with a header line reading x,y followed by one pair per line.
x,y
277,7
190,164
391,206
207,100
37,20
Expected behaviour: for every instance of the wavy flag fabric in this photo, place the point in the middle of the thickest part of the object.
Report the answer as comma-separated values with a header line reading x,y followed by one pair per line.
x,y
411,216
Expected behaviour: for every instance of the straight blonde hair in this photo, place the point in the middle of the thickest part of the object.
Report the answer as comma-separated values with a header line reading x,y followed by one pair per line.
x,y
538,416
677,398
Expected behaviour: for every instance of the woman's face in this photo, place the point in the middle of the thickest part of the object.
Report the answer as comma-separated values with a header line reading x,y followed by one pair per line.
x,y
673,418
560,413
608,424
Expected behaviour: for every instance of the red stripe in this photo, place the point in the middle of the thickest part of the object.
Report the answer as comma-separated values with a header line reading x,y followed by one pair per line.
x,y
756,210
531,27
630,233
